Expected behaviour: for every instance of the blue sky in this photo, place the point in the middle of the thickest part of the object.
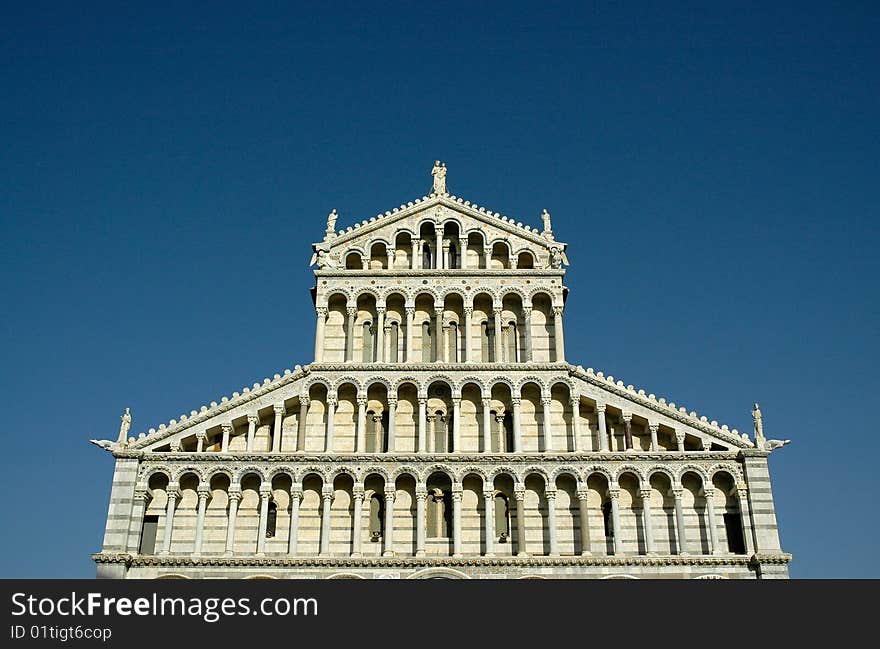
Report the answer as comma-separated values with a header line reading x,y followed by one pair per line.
x,y
713,167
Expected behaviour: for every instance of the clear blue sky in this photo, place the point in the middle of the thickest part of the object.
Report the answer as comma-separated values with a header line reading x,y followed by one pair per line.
x,y
164,168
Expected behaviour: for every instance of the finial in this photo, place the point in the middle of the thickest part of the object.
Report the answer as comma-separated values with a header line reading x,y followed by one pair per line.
x,y
124,426
330,232
548,230
439,174
759,426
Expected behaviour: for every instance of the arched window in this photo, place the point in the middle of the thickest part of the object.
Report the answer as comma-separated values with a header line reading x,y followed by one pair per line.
x,y
502,518
394,342
271,520
508,432
368,342
427,343
438,514
441,433
485,342
377,517
427,256
733,527
453,256
453,342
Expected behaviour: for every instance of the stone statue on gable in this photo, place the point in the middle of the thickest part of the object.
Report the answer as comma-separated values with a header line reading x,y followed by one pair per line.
x,y
330,233
439,174
548,230
124,427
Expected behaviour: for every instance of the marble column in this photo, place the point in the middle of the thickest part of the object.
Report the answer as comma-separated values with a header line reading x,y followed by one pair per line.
x,y
655,445
331,415
349,334
141,496
386,349
389,522
296,495
627,431
422,403
548,426
416,254
301,424
520,496
439,343
557,333
575,404
201,438
487,257
679,441
456,521
496,314
392,426
204,492
173,493
253,420
745,520
527,325
265,495
361,442
550,495
489,521
410,312
391,253
614,495
602,430
487,426
327,499
357,516
462,253
319,333
227,433
431,430
421,497
380,335
468,352
681,538
517,434
645,495
280,411
709,495
456,425
234,499
583,506
444,257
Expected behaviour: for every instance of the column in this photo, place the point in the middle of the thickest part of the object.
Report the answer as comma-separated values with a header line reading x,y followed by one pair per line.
x,y
444,257
416,254
201,438
356,532
655,445
422,403
321,312
627,431
234,499
517,435
497,337
557,333
331,414
265,495
410,312
204,493
456,427
349,335
448,350
520,495
709,494
386,349
301,424
487,426
462,252
681,539
253,420
489,522
679,441
550,495
487,256
746,520
707,445
392,427
602,432
614,495
438,336
391,253
585,522
380,335
327,499
421,496
137,516
296,495
527,325
173,493
389,522
227,433
280,411
575,404
468,352
645,495
361,442
548,426
456,520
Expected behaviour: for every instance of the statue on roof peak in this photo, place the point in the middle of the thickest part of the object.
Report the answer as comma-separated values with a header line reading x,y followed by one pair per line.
x,y
439,174
330,233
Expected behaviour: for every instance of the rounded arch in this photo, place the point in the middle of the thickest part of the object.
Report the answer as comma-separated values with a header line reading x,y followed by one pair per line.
x,y
316,380
565,470
345,575
247,470
540,290
160,469
365,290
337,471
536,470
213,472
179,472
542,387
448,471
390,292
733,471
408,380
651,471
376,470
564,381
505,380
693,468
596,469
477,471
511,290
373,380
333,292
405,469
173,575
629,468
342,380
469,380
274,471
455,290
504,470
307,471
438,573
430,292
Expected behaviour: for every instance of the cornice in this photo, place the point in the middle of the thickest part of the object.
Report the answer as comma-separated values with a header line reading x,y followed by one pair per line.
x,y
433,368
440,272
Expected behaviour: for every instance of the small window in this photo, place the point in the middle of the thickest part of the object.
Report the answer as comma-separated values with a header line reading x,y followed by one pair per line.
x,y
733,527
453,256
148,535
377,517
271,520
502,518
609,524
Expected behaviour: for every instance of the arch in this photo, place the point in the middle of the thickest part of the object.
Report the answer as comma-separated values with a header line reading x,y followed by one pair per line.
x,y
376,470
161,469
565,470
373,380
469,380
692,468
179,472
241,472
565,381
629,468
454,290
477,471
285,470
504,470
310,470
655,469
213,472
337,471
595,469
337,291
345,575
172,575
406,469
504,380
389,292
542,387
438,573
313,381
511,290
365,290
449,472
536,470
411,380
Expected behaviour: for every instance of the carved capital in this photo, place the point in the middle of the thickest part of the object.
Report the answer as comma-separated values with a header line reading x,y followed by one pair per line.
x,y
390,494
351,311
380,310
296,492
361,401
202,435
265,492
253,419
516,401
550,494
519,494
487,403
627,417
331,401
645,494
614,493
305,401
456,495
234,495
527,311
545,401
321,311
226,428
392,402
676,492
421,494
557,311
358,493
327,492
141,494
582,494
489,495
600,408
204,492
410,311
469,311
653,427
279,409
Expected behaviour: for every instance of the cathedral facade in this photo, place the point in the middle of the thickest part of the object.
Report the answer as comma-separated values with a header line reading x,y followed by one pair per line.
x,y
441,432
